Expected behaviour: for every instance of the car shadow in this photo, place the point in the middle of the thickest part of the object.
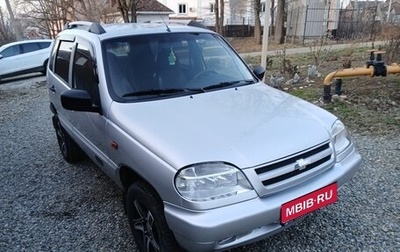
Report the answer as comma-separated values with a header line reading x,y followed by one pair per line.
x,y
20,78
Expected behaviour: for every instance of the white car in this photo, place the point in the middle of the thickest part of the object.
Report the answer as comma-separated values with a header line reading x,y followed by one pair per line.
x,y
24,57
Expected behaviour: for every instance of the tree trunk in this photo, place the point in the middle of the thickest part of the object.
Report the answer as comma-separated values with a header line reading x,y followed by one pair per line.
x,y
272,16
221,16
216,12
280,18
257,22
14,24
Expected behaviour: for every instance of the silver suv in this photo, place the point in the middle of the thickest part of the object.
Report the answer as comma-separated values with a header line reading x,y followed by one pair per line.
x,y
208,156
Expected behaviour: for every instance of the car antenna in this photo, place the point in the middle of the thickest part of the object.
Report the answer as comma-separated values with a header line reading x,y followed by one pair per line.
x,y
165,23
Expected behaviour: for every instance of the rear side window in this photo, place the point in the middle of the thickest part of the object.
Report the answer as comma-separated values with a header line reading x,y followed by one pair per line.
x,y
11,51
30,47
63,59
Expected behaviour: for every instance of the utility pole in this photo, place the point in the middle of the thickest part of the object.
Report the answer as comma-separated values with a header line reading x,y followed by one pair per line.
x,y
14,24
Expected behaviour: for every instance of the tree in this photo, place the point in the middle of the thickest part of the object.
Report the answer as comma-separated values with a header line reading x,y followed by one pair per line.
x,y
128,9
50,16
216,13
219,16
257,22
14,24
280,20
6,34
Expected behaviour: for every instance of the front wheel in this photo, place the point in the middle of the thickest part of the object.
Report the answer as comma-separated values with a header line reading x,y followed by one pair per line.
x,y
146,218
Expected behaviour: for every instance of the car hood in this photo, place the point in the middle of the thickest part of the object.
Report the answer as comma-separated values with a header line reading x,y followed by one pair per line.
x,y
244,126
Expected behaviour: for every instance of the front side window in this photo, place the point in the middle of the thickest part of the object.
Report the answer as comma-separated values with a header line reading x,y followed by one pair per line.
x,y
11,51
63,58
83,72
182,9
162,65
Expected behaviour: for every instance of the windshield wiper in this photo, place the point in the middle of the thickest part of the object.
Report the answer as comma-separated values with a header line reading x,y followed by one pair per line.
x,y
164,91
227,84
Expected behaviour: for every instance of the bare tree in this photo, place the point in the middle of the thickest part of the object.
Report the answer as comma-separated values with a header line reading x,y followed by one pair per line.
x,y
280,20
14,24
221,16
219,9
216,13
272,10
257,21
6,34
128,9
50,16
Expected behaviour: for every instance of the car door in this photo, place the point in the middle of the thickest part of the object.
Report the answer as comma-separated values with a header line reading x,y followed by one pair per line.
x,y
90,124
32,55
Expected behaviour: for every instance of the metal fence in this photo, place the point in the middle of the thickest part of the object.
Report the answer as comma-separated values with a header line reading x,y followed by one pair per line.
x,y
308,23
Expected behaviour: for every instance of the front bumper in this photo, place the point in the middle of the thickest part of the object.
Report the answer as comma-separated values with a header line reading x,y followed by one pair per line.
x,y
246,222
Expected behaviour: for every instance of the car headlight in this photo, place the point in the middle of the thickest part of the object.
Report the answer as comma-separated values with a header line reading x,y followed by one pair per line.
x,y
340,137
211,181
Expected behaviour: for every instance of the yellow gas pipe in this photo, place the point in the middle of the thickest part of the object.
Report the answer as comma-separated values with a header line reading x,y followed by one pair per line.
x,y
373,68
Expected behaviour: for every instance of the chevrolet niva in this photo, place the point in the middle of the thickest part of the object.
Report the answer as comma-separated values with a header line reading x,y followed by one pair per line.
x,y
208,157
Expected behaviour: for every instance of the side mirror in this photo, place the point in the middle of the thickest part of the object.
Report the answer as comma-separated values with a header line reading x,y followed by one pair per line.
x,y
78,100
259,71
1,56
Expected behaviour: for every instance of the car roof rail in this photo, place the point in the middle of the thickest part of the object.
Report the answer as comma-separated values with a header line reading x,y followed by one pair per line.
x,y
93,27
197,24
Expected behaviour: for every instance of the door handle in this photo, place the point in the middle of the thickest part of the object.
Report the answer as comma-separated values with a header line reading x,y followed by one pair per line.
x,y
52,89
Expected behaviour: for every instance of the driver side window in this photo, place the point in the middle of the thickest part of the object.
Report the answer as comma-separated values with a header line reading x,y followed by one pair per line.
x,y
83,73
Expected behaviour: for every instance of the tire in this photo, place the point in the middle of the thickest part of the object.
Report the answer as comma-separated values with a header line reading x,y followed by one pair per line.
x,y
69,149
147,221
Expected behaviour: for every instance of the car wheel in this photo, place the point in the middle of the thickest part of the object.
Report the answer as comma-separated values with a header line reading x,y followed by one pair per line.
x,y
146,218
69,149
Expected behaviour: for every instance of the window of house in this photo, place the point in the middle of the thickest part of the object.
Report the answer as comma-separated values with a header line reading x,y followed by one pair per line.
x,y
182,9
262,7
212,7
63,58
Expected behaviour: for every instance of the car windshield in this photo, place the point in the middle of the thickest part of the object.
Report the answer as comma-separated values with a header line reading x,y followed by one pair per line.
x,y
160,65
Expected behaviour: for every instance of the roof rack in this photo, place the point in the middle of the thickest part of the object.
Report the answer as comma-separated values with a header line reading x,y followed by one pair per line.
x,y
93,27
197,24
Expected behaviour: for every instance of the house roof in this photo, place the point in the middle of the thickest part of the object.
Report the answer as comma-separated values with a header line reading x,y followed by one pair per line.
x,y
152,5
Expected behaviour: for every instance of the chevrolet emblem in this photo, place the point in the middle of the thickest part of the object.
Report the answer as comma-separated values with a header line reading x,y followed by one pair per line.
x,y
301,164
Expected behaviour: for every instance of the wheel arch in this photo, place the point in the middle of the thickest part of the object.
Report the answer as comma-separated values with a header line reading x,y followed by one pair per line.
x,y
128,176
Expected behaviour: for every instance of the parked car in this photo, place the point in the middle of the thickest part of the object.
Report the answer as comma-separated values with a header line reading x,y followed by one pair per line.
x,y
24,57
208,156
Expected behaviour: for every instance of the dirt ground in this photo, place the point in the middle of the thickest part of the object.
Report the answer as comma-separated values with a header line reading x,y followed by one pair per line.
x,y
368,105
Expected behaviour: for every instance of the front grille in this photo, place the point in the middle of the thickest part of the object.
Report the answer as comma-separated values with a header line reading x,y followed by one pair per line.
x,y
294,167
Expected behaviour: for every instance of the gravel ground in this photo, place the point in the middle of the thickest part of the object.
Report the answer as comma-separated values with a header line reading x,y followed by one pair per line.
x,y
47,204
